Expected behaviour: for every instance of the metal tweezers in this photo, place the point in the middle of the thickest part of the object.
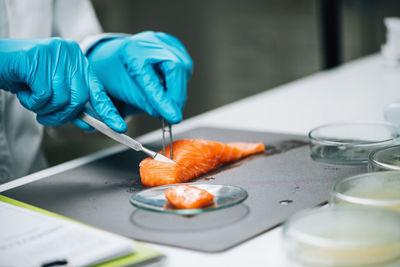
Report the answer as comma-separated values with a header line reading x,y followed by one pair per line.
x,y
168,130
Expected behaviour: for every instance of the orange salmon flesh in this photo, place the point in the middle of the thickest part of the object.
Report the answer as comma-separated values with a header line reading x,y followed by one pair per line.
x,y
193,157
188,197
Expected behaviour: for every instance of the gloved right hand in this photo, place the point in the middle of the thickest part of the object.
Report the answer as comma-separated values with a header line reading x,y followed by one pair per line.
x,y
52,78
148,71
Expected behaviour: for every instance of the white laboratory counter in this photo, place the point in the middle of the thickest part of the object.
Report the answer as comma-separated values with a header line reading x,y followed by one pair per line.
x,y
357,91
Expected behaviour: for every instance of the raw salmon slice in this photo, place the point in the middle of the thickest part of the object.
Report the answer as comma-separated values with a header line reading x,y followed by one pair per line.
x,y
193,158
188,197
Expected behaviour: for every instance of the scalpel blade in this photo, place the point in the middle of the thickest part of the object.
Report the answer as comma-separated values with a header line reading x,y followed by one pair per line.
x,y
121,138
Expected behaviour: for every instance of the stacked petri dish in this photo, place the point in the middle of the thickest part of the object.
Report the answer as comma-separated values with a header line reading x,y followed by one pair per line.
x,y
377,190
350,143
359,227
342,236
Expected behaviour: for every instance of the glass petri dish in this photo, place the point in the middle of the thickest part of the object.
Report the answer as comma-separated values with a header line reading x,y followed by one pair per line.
x,y
153,199
384,159
342,236
350,143
376,189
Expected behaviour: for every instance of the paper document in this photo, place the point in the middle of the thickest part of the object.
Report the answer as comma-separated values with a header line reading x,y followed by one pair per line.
x,y
29,238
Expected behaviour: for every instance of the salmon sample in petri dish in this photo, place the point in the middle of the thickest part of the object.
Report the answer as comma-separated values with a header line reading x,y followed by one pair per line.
x,y
350,143
153,199
384,159
342,236
375,189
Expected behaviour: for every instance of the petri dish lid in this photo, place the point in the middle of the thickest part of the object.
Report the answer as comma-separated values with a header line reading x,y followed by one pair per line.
x,y
153,199
350,142
343,236
377,189
386,158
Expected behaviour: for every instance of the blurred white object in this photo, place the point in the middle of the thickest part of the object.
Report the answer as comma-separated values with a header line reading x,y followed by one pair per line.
x,y
392,113
391,49
391,60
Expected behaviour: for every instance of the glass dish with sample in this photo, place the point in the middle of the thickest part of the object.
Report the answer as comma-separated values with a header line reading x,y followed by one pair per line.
x,y
384,159
350,143
376,189
153,199
342,236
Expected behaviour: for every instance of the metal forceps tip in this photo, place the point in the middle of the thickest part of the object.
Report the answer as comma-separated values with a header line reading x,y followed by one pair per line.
x,y
166,128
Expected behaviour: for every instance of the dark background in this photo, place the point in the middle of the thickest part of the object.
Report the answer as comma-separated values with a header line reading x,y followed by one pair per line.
x,y
239,48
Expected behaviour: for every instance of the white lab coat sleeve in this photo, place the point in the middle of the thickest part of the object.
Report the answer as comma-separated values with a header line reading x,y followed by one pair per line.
x,y
77,20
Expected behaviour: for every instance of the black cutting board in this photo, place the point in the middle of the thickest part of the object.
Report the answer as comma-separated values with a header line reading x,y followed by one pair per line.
x,y
282,181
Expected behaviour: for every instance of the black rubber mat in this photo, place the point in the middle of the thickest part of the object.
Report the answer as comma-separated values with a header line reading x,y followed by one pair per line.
x,y
282,181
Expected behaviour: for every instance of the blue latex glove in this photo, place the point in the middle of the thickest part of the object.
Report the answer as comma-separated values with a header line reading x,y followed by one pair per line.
x,y
148,71
52,78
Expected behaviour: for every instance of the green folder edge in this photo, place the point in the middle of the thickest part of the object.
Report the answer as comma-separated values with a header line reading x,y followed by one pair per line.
x,y
141,256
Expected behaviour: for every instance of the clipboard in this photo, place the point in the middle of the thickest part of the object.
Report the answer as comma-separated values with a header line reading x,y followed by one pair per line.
x,y
142,255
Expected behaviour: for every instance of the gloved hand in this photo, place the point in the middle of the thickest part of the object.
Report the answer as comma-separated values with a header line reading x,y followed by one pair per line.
x,y
52,78
148,71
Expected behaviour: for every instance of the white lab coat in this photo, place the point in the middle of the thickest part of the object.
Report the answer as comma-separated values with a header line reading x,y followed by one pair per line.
x,y
20,134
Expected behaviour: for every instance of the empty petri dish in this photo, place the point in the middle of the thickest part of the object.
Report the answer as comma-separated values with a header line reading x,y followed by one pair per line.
x,y
384,159
350,143
375,189
153,199
343,236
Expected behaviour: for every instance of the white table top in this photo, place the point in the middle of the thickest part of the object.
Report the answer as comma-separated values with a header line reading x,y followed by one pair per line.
x,y
357,91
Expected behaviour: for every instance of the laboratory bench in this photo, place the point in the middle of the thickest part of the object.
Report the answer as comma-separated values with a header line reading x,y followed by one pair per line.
x,y
356,91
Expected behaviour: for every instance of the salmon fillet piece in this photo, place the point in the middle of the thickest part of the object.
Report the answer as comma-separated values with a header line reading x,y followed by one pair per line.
x,y
193,157
188,197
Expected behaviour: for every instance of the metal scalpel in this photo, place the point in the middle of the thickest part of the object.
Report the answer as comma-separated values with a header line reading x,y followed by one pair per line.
x,y
122,138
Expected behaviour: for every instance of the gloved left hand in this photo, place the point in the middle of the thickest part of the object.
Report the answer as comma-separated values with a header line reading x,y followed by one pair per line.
x,y
148,71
